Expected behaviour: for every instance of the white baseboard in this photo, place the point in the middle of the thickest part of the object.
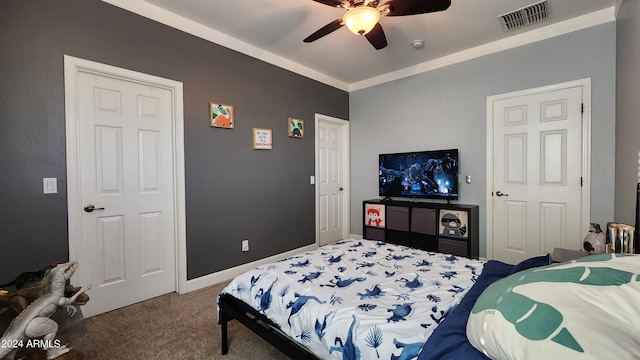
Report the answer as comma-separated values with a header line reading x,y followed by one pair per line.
x,y
228,274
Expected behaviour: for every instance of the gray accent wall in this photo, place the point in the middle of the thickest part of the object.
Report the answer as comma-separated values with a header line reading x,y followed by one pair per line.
x,y
232,191
627,111
446,108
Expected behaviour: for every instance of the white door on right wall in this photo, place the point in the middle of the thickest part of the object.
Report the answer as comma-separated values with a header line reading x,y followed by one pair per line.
x,y
538,155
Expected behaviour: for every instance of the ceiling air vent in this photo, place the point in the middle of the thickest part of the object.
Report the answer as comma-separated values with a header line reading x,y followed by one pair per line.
x,y
525,16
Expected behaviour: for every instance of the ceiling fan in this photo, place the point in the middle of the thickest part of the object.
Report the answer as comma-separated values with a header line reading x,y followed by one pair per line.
x,y
362,16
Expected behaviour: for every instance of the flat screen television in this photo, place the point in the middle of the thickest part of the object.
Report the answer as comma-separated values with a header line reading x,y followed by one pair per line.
x,y
419,174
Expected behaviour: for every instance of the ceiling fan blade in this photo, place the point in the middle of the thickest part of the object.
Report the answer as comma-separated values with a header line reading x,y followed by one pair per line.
x,y
330,2
414,7
325,30
376,37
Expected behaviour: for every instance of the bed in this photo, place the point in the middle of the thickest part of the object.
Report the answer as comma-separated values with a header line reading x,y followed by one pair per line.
x,y
362,299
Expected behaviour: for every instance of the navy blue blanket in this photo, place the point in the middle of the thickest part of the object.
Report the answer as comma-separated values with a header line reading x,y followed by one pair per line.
x,y
449,340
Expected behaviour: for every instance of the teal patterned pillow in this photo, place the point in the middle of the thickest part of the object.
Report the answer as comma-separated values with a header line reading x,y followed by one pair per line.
x,y
582,309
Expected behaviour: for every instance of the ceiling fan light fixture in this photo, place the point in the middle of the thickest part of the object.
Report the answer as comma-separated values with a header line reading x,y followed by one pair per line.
x,y
361,20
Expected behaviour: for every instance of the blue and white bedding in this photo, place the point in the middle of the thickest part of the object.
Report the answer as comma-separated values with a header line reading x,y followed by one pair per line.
x,y
359,299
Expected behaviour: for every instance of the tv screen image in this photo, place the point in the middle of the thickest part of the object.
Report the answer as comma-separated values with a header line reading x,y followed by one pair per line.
x,y
421,174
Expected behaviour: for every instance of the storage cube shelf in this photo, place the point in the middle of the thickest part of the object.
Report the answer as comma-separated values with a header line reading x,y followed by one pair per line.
x,y
446,228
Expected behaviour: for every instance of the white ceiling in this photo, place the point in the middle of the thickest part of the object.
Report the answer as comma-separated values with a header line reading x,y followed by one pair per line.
x,y
273,30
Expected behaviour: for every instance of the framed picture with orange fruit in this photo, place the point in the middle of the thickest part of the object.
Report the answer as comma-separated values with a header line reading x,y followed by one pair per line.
x,y
221,115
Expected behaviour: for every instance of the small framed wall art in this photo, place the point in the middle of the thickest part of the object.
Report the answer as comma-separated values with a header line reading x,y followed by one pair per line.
x,y
221,115
262,139
296,128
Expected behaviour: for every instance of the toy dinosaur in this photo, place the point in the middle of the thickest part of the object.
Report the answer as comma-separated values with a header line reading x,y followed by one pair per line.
x,y
29,286
27,277
34,323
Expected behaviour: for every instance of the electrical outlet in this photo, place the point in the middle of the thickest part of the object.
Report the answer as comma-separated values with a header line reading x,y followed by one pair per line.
x,y
245,245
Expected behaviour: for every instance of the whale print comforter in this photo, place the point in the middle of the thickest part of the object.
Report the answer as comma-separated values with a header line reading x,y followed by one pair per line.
x,y
359,299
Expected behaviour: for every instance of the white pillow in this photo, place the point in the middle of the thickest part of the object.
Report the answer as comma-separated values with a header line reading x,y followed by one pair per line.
x,y
582,309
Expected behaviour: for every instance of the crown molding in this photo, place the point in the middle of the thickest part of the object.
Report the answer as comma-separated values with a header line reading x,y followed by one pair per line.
x,y
553,30
168,18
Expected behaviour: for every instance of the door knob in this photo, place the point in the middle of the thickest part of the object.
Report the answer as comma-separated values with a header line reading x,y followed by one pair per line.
x,y
500,193
91,207
341,188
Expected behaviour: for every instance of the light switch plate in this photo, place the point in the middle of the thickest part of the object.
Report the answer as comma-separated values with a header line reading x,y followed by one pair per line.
x,y
50,185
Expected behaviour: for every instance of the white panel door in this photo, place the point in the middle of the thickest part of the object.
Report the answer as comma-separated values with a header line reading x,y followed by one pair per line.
x,y
331,181
537,160
126,175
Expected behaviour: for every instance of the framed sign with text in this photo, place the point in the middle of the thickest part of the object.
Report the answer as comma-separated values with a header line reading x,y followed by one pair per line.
x,y
262,139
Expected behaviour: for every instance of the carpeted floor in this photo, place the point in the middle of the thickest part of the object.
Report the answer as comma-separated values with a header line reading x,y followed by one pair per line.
x,y
174,326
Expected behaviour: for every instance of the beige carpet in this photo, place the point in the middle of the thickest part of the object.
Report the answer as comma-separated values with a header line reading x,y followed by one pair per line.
x,y
174,326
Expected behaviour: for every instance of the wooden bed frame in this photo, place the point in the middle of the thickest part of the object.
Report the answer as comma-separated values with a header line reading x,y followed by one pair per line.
x,y
232,308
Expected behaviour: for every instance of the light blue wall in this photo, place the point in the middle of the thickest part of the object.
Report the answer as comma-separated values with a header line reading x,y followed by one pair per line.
x,y
446,108
627,110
